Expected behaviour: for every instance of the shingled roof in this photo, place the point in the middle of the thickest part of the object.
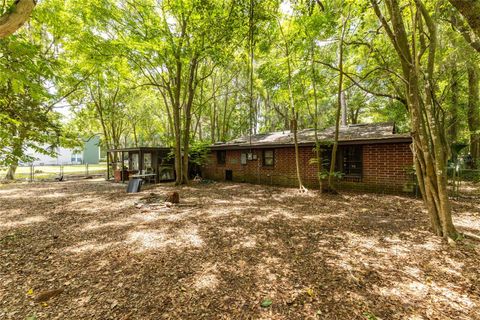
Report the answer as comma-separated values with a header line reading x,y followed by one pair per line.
x,y
383,132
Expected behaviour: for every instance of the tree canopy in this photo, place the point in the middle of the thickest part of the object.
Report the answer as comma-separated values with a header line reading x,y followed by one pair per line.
x,y
192,72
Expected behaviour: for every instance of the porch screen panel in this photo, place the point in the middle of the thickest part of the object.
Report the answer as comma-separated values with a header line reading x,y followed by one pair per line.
x,y
147,162
134,158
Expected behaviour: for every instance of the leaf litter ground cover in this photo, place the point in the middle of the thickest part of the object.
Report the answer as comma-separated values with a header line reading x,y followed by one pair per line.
x,y
87,250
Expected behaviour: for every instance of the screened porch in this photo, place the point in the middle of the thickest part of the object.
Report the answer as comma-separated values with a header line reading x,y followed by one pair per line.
x,y
151,164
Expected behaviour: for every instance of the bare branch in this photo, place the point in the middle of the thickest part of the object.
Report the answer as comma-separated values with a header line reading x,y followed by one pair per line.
x,y
360,86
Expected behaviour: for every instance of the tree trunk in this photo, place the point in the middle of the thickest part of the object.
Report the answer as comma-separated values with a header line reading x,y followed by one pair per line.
x,y
225,115
178,146
232,110
251,49
177,123
198,116
294,121
135,137
188,118
473,113
318,151
333,160
213,116
354,115
16,152
15,17
430,145
11,172
453,123
343,103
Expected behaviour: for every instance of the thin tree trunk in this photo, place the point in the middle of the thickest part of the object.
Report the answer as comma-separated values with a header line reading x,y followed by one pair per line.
x,y
198,116
229,116
219,113
213,116
225,114
16,152
177,123
188,118
175,97
339,107
354,115
170,125
453,123
343,103
293,125
473,113
251,54
318,151
135,138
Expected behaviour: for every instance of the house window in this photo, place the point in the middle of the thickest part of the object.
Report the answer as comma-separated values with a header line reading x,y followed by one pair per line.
x,y
268,158
243,158
221,156
348,160
352,161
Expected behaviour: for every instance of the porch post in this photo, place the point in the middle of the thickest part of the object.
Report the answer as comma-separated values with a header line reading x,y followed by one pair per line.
x,y
108,165
121,168
155,166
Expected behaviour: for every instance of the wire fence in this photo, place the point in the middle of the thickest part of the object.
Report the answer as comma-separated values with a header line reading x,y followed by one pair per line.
x,y
33,173
464,182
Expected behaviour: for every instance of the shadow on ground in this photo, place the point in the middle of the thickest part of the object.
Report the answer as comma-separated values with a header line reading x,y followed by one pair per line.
x,y
227,248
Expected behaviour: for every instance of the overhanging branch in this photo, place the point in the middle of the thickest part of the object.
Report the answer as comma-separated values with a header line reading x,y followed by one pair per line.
x,y
361,87
16,16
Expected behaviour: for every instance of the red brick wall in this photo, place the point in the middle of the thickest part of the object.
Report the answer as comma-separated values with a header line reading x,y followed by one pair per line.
x,y
385,168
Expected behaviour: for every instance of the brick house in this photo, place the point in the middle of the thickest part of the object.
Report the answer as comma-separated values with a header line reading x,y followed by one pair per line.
x,y
371,157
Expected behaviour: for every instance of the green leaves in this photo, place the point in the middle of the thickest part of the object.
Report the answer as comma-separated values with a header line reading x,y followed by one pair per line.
x,y
266,303
29,71
145,48
369,316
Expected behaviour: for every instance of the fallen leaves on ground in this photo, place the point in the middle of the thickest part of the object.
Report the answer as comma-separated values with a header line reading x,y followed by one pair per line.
x,y
229,251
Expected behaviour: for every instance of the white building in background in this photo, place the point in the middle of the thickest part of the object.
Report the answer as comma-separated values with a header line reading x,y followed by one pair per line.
x,y
64,156
90,154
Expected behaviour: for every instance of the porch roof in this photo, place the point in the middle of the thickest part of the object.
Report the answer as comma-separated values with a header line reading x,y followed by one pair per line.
x,y
142,149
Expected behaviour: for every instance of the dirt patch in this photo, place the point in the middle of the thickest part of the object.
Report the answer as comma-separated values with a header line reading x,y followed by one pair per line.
x,y
229,251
